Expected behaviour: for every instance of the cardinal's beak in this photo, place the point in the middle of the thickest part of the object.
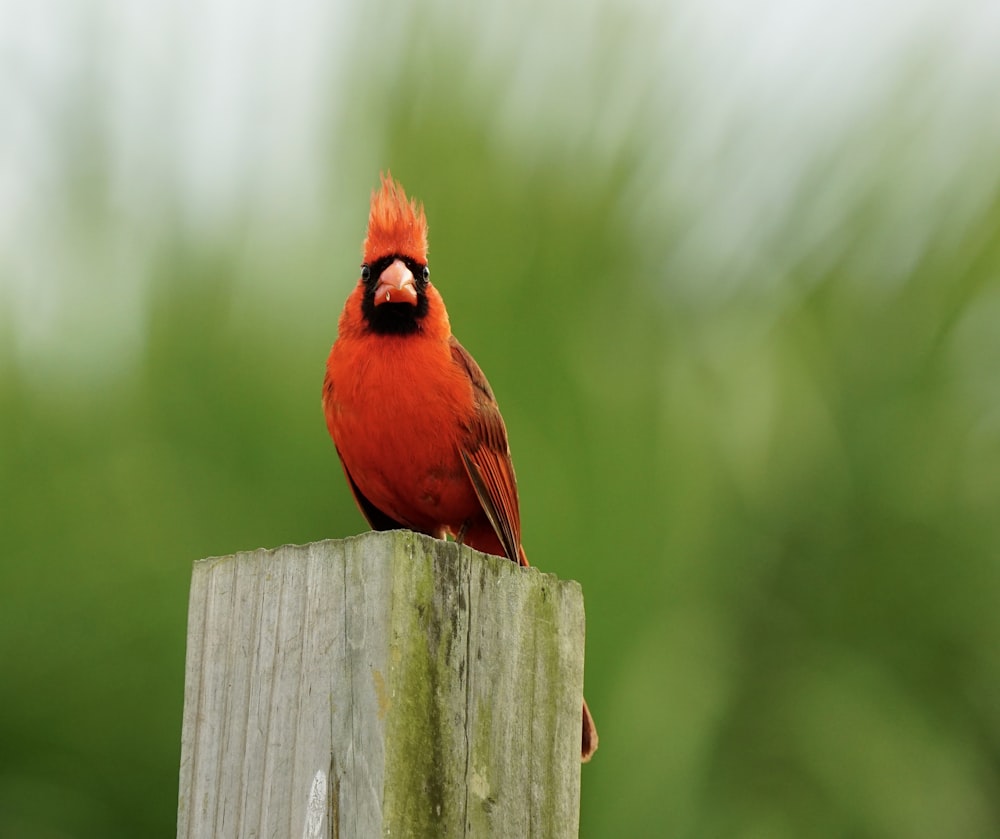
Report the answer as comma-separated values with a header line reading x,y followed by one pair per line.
x,y
396,285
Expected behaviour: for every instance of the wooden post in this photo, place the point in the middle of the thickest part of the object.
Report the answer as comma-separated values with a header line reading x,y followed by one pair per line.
x,y
384,685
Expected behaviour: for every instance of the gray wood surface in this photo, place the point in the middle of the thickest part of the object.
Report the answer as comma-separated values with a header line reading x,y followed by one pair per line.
x,y
384,685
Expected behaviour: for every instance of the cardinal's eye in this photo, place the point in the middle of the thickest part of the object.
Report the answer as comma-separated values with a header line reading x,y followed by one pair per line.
x,y
366,273
426,273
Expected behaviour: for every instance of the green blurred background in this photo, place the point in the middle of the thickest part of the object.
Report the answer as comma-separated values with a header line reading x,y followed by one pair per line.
x,y
733,272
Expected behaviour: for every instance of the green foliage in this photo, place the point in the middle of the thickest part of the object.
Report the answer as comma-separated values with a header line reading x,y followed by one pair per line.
x,y
780,500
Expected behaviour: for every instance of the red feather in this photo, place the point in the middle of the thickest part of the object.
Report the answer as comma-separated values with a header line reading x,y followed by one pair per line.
x,y
416,425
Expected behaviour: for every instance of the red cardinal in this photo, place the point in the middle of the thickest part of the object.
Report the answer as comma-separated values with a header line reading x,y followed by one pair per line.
x,y
413,418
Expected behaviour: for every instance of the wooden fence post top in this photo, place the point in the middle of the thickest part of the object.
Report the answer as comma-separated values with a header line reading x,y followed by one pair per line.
x,y
388,684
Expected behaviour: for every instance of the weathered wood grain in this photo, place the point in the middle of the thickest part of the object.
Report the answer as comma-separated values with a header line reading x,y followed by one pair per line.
x,y
384,685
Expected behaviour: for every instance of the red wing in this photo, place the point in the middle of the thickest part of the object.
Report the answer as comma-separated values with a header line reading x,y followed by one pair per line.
x,y
486,456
